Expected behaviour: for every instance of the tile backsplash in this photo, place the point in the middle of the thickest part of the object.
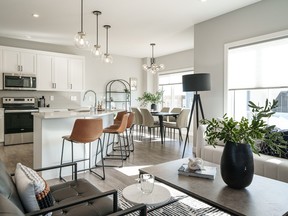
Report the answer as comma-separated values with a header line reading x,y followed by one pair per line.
x,y
52,99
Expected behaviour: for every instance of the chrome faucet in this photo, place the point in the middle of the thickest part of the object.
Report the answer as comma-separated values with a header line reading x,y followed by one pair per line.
x,y
95,98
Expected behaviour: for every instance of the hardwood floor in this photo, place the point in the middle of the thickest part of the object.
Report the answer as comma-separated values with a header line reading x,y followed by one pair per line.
x,y
145,154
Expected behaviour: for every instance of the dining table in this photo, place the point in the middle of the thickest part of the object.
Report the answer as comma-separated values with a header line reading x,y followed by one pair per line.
x,y
161,121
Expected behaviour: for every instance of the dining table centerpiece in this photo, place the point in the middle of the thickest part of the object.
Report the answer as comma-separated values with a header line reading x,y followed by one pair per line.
x,y
152,98
241,138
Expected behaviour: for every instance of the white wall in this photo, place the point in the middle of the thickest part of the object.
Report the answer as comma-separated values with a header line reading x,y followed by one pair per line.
x,y
97,74
265,17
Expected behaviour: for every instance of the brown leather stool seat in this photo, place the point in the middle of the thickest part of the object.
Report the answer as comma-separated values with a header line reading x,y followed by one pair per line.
x,y
86,131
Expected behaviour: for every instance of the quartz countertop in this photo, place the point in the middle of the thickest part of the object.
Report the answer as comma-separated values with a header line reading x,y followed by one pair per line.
x,y
71,114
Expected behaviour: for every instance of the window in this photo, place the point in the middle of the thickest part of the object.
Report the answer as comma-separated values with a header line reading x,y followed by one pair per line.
x,y
173,95
256,71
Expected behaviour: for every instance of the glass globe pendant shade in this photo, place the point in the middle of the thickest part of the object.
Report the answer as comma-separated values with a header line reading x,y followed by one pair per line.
x,y
81,41
96,50
107,58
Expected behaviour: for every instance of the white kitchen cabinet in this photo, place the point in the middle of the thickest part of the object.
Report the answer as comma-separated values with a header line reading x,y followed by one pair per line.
x,y
60,73
76,74
18,61
44,72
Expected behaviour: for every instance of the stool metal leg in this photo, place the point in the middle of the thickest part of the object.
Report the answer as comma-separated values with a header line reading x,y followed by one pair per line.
x,y
99,143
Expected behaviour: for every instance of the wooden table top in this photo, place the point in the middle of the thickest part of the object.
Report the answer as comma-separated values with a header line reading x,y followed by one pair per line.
x,y
264,196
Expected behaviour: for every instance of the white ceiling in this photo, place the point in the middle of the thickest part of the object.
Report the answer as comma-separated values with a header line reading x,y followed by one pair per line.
x,y
134,23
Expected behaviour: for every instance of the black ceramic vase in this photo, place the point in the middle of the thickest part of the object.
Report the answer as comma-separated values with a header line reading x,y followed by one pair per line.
x,y
153,107
237,166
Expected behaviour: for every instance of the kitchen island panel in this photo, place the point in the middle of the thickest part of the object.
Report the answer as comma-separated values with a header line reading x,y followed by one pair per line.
x,y
48,134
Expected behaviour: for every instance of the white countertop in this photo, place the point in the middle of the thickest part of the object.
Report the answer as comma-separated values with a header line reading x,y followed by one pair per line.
x,y
70,114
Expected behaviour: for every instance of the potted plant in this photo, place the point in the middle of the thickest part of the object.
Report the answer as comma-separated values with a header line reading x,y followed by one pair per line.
x,y
154,99
241,138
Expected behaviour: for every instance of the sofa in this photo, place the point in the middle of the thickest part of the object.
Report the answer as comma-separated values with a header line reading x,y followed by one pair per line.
x,y
264,165
75,197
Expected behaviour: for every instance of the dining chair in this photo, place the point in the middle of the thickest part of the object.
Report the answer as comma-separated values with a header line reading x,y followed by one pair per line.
x,y
148,121
181,122
165,109
138,120
173,119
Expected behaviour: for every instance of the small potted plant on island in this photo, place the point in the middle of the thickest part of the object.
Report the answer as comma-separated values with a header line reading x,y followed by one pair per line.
x,y
241,138
154,99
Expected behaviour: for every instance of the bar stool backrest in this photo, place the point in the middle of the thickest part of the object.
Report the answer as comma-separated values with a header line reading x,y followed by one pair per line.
x,y
130,120
123,124
87,130
119,117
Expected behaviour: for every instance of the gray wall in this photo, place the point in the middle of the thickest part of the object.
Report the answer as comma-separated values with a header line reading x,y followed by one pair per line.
x,y
97,74
262,18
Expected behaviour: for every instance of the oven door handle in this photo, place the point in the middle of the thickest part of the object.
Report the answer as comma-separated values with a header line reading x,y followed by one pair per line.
x,y
21,111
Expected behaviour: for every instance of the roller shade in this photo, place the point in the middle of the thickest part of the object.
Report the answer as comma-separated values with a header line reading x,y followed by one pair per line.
x,y
260,65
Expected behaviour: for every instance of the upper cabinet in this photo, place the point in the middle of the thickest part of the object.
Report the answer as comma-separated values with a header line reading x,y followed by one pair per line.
x,y
57,73
54,71
76,74
18,61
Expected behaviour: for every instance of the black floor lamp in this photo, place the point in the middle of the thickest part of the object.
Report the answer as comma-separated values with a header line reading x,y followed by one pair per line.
x,y
195,82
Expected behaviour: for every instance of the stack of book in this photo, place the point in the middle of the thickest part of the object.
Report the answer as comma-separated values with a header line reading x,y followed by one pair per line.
x,y
206,172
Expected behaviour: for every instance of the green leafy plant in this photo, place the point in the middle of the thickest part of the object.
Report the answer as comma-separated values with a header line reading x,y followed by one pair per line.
x,y
247,132
148,97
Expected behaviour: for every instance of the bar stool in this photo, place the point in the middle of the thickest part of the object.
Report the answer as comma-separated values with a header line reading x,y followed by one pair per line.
x,y
119,116
118,130
85,131
128,134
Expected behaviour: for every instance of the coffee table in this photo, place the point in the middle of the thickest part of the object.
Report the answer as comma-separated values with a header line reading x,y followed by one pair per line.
x,y
263,197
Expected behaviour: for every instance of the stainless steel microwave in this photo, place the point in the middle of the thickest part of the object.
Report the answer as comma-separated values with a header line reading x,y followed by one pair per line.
x,y
19,81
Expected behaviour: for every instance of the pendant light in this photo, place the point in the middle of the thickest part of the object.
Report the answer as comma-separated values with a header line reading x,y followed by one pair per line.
x,y
96,48
80,39
106,57
153,68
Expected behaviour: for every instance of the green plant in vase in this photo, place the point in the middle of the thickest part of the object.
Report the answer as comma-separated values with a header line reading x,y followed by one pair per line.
x,y
151,98
241,138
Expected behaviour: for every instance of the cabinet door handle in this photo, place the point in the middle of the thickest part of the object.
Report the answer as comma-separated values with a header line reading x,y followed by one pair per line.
x,y
18,68
70,86
21,67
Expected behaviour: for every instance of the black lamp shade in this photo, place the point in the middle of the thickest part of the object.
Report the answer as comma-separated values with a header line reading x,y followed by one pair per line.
x,y
196,82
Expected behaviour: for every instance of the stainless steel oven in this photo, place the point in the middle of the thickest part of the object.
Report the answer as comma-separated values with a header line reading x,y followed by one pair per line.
x,y
18,120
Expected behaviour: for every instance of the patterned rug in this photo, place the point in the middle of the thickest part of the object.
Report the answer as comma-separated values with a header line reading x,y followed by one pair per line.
x,y
179,205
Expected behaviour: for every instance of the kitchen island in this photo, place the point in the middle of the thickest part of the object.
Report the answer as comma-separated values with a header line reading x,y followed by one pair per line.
x,y
49,127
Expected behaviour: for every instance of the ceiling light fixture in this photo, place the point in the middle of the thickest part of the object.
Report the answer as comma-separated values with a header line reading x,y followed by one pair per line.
x,y
153,68
35,15
96,48
106,57
80,39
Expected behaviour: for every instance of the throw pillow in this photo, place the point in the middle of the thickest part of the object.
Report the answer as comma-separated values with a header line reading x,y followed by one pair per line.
x,y
33,190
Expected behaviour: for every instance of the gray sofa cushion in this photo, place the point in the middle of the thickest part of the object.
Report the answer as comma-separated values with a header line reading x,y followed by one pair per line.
x,y
9,208
7,187
74,190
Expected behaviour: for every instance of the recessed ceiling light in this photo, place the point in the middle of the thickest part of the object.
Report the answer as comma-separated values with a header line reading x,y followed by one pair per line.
x,y
35,15
203,0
